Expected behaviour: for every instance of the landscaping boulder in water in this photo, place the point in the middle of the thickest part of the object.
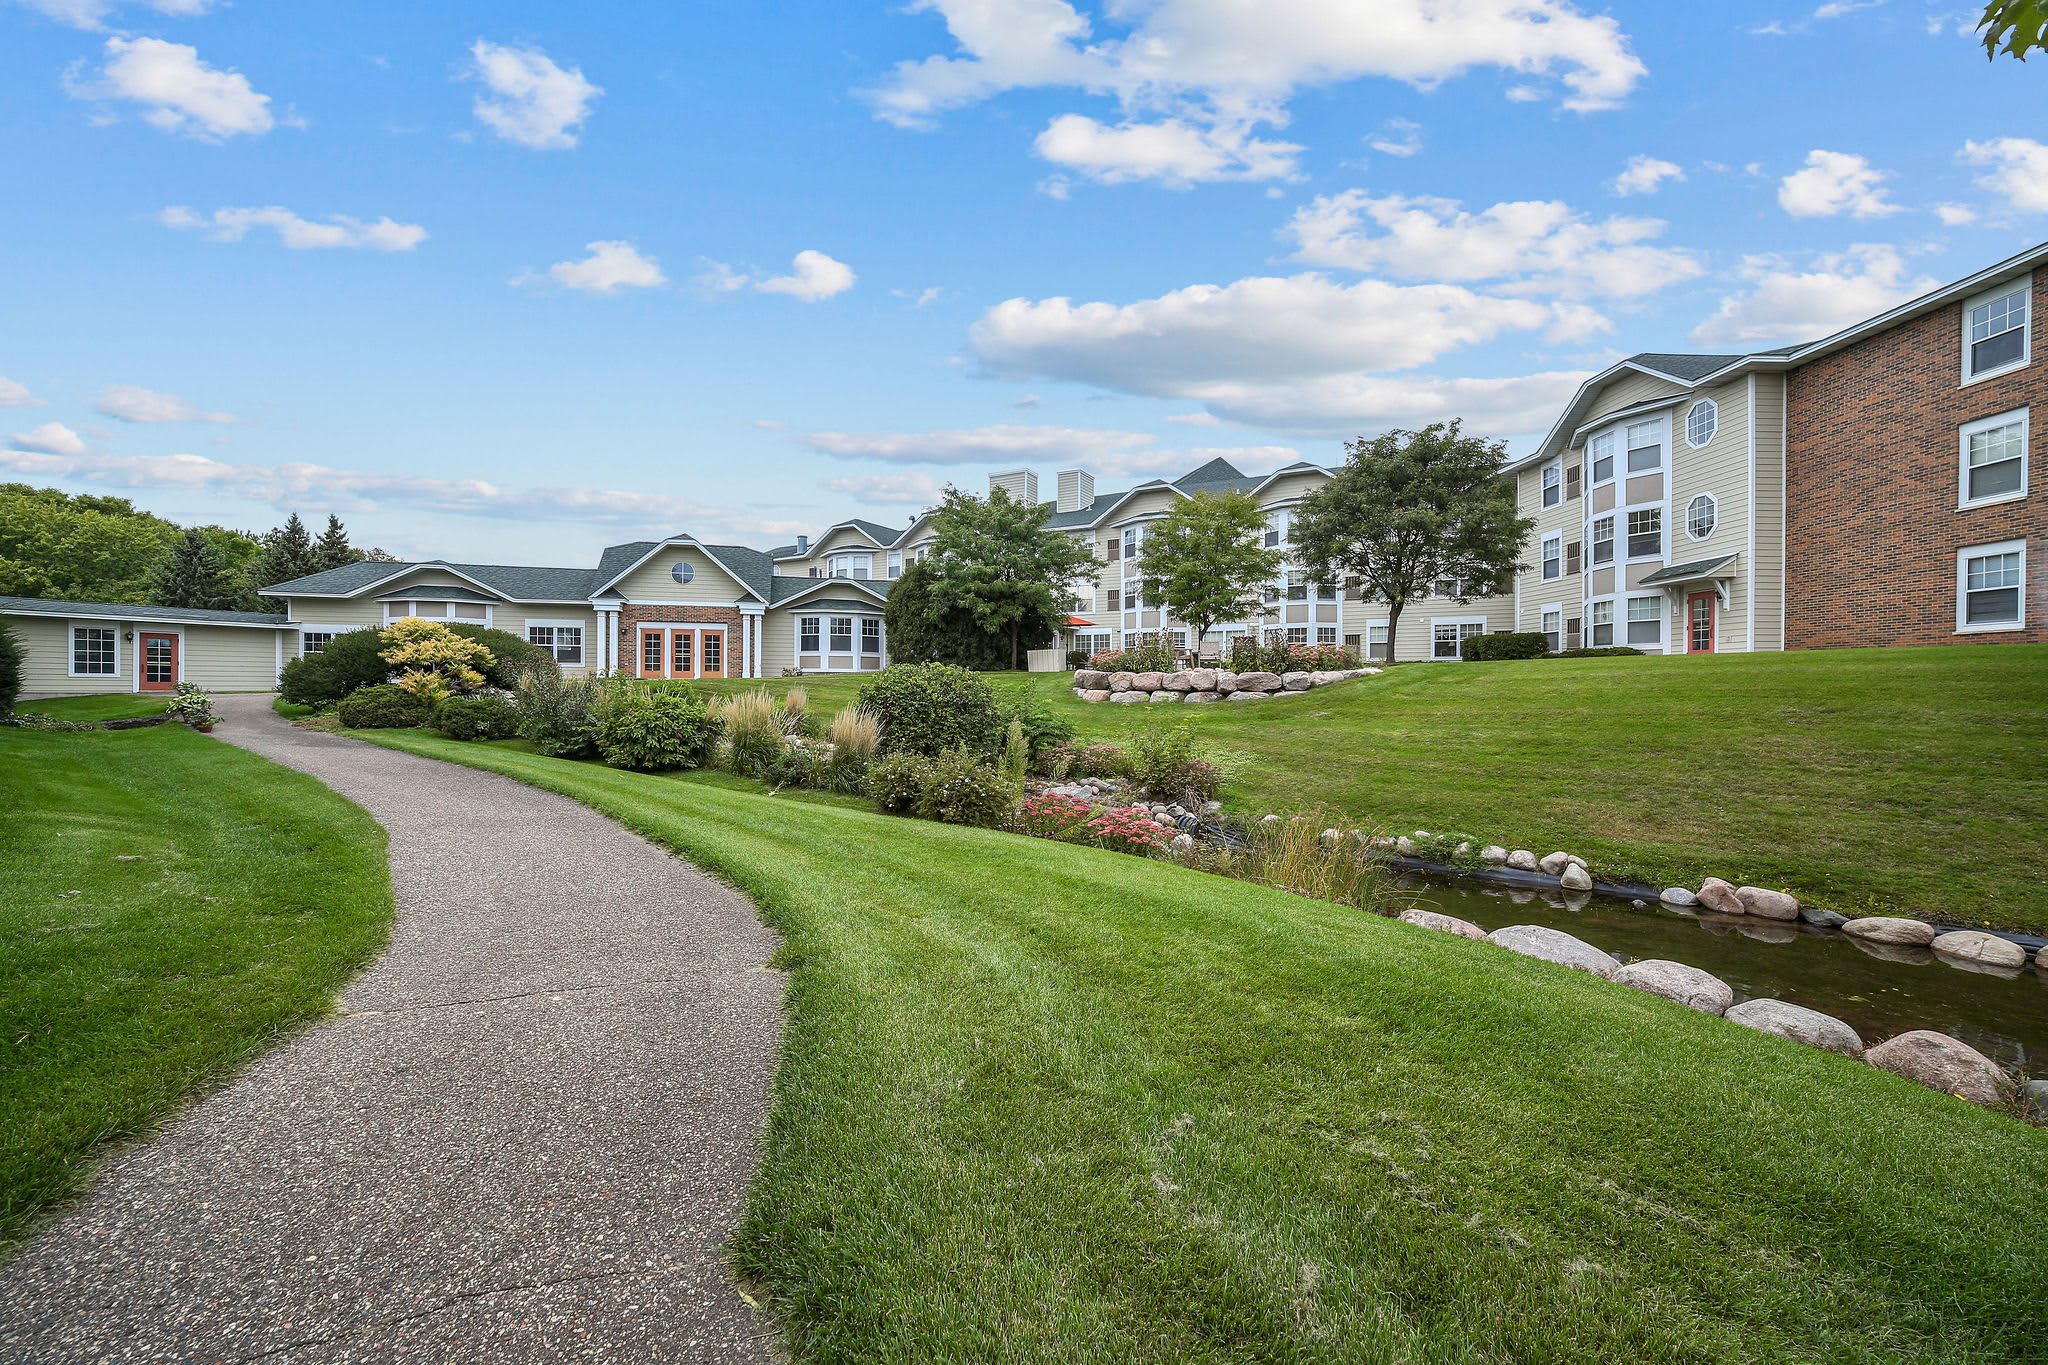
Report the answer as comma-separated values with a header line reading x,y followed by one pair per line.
x,y
1716,894
1767,904
1551,945
1988,950
1443,924
1678,896
1941,1063
1522,860
1823,919
1798,1023
1689,986
1556,863
1575,877
1893,929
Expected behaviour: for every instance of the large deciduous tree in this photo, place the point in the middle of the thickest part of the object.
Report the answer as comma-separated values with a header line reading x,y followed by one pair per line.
x,y
994,560
1206,561
1408,509
2018,26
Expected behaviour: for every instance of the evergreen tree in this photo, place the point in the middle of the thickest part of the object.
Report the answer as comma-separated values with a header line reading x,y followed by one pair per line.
x,y
996,562
332,550
197,577
287,554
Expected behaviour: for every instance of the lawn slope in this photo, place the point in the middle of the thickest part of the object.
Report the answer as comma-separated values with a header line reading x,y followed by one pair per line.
x,y
1040,1102
1863,779
169,905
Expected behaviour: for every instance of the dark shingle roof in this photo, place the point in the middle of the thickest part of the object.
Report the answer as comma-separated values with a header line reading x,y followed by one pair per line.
x,y
1217,474
127,611
830,604
1685,573
436,593
880,534
786,588
755,570
616,559
520,582
1680,366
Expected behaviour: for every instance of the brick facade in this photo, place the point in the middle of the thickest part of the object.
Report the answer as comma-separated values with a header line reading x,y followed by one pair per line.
x,y
1871,487
634,614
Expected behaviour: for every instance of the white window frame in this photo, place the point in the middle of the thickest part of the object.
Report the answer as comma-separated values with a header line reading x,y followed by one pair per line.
x,y
71,648
1551,560
1593,542
817,634
1544,616
895,563
1593,458
1551,489
1629,533
832,634
1963,558
1713,418
851,565
554,648
1386,639
1662,447
1713,514
448,618
315,628
2020,415
1629,620
1458,623
861,633
1590,631
2024,286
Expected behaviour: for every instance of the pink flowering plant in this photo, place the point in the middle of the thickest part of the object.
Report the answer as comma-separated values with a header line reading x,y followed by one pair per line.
x,y
1126,829
1050,816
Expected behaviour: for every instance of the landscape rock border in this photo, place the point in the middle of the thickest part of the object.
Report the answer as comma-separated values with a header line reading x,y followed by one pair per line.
x,y
1201,685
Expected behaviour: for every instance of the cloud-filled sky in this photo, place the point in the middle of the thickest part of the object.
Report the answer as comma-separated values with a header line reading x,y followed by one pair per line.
x,y
513,281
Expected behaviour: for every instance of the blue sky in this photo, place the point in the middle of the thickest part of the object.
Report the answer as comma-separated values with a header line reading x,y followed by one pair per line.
x,y
513,281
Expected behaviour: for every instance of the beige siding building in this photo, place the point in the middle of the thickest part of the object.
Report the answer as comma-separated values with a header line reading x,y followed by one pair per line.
x,y
80,648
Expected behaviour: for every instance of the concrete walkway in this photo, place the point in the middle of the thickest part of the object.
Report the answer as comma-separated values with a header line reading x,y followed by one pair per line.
x,y
526,1138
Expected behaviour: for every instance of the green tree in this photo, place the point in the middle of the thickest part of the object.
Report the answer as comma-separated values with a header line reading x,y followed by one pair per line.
x,y
79,547
1206,561
2020,26
1408,509
195,576
996,561
332,550
921,630
287,554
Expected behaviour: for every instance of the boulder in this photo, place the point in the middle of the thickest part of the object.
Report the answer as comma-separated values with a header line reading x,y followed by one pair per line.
x,y
1329,837
1443,924
1678,896
1121,682
1090,678
1493,855
1323,677
1716,894
1822,919
1798,1023
1765,903
1575,877
1201,680
1165,696
1250,696
1181,843
1125,698
1258,682
1092,693
1971,945
2034,1095
1522,860
1205,696
1551,945
1689,986
1911,933
1554,864
1405,846
1226,681
1178,682
1942,1063
1297,682
1148,682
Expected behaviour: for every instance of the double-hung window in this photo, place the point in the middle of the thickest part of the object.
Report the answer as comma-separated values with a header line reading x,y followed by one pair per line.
x,y
563,642
850,566
95,652
1645,447
1997,331
1991,587
807,635
1131,540
1116,600
313,641
1646,533
1553,629
1994,456
1646,620
1553,484
1601,451
1600,624
1603,540
842,635
1376,639
1276,528
1297,587
870,636
895,563
1553,556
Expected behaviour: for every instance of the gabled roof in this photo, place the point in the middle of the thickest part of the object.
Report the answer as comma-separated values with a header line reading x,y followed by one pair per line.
x,y
126,611
437,594
749,568
882,536
514,582
787,590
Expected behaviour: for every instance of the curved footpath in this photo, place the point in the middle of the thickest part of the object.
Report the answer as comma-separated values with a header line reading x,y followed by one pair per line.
x,y
526,1137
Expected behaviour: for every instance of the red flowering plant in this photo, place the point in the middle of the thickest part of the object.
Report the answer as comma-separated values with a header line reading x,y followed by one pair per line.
x,y
1126,829
1050,816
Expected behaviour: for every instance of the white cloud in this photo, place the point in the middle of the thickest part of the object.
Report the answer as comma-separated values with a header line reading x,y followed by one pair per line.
x,y
1172,151
606,269
813,276
891,490
1785,303
179,92
51,438
335,231
2016,170
531,100
1351,404
1195,419
998,444
918,298
1955,215
1834,183
92,14
132,403
1397,137
1536,246
15,394
1644,174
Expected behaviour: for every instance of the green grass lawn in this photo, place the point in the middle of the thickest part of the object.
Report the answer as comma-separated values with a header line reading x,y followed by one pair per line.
x,y
169,906
102,706
1041,1102
1863,780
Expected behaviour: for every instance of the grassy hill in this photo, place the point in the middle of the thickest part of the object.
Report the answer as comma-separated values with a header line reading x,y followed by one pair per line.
x,y
1863,780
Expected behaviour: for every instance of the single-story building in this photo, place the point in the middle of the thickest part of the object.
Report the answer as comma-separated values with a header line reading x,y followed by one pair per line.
x,y
74,648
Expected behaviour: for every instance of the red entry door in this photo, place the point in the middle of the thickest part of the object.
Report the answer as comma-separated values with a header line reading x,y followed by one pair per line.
x,y
1701,622
159,661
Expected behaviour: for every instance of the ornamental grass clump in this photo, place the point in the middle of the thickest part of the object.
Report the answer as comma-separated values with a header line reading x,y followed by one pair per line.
x,y
856,738
794,715
1293,854
753,733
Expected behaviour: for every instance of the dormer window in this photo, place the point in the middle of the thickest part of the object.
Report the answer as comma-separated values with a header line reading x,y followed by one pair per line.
x,y
1997,331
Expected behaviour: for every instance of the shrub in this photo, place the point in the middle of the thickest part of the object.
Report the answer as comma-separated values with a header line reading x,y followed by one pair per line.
x,y
10,670
965,789
555,711
897,781
753,741
351,660
653,730
1154,656
476,718
1506,644
1102,760
191,704
1078,658
1043,726
510,655
798,765
1190,782
386,706
1016,755
856,737
1126,829
931,708
1597,652
1046,816
429,684
1056,762
1277,656
432,659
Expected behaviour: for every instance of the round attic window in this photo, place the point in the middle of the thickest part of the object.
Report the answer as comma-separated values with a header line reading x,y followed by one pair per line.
x,y
683,572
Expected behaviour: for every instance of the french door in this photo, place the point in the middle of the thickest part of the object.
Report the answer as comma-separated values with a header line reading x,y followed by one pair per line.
x,y
682,651
1701,622
159,661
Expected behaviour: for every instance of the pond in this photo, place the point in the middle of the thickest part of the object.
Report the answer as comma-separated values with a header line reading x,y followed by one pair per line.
x,y
1878,990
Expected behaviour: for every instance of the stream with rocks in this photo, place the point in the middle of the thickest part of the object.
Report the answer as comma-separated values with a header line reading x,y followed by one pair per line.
x,y
1880,990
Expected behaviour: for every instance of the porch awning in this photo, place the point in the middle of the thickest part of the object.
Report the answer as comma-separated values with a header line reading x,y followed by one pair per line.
x,y
1698,570
1079,621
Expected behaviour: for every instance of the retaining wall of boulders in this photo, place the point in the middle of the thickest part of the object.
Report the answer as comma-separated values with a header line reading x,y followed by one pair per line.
x,y
1204,684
